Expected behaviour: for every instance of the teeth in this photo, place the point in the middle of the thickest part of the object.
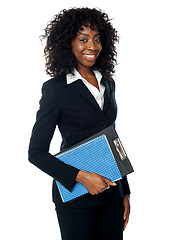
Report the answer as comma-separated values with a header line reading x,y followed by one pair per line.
x,y
90,56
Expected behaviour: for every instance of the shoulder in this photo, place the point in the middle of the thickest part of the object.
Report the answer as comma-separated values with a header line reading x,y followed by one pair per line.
x,y
52,90
54,84
110,83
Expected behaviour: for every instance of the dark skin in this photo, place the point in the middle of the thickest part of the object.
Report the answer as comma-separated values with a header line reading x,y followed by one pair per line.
x,y
86,47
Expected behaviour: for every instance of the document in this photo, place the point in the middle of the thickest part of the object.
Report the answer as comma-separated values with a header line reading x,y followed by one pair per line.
x,y
102,153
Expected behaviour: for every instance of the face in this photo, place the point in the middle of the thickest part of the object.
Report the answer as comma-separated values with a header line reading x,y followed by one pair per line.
x,y
86,46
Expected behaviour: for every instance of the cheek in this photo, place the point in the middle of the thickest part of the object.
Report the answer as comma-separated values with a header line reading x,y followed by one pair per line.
x,y
77,50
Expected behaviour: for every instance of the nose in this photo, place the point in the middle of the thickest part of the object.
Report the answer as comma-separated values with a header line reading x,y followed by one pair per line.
x,y
91,45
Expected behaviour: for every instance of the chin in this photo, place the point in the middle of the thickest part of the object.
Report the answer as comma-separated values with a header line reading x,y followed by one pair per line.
x,y
89,64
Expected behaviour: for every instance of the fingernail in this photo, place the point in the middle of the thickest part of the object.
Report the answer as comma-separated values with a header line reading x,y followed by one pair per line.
x,y
114,184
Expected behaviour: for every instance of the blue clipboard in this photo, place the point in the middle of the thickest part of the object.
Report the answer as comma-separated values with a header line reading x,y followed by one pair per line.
x,y
102,153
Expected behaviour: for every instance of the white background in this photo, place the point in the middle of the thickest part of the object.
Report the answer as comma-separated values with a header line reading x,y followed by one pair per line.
x,y
143,79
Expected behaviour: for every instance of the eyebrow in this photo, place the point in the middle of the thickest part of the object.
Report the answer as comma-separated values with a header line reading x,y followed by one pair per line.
x,y
80,33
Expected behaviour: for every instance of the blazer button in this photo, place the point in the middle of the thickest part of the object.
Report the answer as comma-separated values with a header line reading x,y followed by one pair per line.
x,y
103,124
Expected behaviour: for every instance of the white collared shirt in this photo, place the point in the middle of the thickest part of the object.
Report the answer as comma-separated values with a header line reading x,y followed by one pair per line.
x,y
98,95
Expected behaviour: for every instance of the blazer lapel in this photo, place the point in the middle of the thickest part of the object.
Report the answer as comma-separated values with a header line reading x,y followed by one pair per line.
x,y
79,87
106,93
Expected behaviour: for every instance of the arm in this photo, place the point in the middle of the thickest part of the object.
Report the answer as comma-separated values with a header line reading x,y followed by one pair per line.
x,y
126,200
125,185
46,120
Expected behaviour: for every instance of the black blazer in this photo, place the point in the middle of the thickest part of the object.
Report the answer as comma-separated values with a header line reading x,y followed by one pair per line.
x,y
74,110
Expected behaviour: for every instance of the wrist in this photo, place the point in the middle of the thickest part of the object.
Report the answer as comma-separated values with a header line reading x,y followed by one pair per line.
x,y
127,196
81,176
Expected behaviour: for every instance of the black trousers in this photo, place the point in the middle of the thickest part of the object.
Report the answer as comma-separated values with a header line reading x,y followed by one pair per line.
x,y
98,223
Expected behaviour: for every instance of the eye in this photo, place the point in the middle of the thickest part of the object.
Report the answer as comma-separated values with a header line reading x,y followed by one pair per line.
x,y
83,40
97,40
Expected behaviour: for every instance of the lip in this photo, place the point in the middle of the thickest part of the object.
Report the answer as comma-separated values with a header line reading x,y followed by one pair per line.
x,y
90,57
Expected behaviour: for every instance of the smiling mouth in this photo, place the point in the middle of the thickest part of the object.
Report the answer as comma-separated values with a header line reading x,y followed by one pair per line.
x,y
90,57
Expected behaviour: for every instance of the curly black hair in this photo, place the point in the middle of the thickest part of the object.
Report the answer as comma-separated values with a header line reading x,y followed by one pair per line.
x,y
60,32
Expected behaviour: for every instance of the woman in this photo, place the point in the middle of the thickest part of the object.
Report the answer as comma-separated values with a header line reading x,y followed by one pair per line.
x,y
80,99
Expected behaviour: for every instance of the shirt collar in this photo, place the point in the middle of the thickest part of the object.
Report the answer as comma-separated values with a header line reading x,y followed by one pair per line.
x,y
72,78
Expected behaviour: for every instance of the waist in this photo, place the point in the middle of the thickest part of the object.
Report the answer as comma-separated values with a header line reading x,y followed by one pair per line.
x,y
89,200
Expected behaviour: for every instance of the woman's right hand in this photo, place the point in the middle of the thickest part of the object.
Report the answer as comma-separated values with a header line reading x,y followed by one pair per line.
x,y
93,182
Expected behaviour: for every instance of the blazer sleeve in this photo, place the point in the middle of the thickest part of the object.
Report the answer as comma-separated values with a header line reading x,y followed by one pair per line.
x,y
46,120
125,185
124,181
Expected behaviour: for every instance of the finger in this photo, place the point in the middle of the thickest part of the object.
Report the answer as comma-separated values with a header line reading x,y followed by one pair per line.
x,y
125,213
126,222
108,186
126,217
109,182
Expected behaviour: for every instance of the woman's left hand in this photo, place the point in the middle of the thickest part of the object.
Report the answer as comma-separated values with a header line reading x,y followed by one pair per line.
x,y
126,202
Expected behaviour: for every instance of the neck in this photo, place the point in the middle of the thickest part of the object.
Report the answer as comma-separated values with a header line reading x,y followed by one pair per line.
x,y
85,71
88,74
